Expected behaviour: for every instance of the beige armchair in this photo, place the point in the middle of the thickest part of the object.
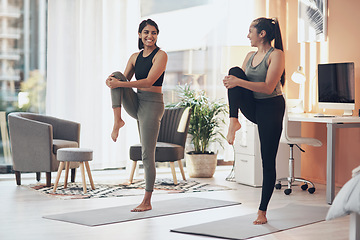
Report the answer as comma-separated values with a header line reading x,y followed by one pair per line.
x,y
35,140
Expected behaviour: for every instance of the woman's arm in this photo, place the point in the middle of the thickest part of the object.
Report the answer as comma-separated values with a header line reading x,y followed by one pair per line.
x,y
158,67
246,60
112,82
275,70
130,66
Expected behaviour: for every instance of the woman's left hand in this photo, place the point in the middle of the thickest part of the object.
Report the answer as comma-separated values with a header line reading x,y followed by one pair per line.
x,y
230,81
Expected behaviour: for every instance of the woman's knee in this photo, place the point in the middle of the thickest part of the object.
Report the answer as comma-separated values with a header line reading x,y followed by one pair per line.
x,y
119,75
237,72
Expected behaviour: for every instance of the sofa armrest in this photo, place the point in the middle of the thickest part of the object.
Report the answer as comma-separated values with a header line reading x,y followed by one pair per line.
x,y
31,143
354,226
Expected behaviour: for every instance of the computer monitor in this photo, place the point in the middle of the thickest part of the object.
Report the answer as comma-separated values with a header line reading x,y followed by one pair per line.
x,y
336,86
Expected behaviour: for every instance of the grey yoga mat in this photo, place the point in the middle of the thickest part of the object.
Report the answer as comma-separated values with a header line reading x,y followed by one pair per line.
x,y
122,213
290,216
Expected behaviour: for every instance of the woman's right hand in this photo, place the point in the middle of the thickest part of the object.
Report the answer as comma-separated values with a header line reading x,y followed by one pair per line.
x,y
230,81
107,81
111,82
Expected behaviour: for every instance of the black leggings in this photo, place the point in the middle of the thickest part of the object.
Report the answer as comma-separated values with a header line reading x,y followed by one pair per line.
x,y
268,115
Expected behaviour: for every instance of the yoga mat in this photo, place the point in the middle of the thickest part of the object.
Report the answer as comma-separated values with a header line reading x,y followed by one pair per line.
x,y
290,216
122,213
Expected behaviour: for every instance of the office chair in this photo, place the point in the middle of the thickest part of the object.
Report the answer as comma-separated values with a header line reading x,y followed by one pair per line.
x,y
295,141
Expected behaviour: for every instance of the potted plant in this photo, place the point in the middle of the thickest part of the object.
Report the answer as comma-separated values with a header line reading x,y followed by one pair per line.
x,y
205,120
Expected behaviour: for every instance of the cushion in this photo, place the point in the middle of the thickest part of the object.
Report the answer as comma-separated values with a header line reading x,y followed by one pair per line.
x,y
347,200
59,143
74,154
165,152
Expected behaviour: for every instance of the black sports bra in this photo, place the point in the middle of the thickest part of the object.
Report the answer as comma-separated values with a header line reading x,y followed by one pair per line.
x,y
143,66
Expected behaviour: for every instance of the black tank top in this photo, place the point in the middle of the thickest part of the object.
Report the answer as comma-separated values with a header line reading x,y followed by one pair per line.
x,y
143,66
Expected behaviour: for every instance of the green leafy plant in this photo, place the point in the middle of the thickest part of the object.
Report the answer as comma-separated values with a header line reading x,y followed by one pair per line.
x,y
205,120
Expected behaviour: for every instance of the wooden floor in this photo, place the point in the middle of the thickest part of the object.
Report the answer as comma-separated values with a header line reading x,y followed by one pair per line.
x,y
21,212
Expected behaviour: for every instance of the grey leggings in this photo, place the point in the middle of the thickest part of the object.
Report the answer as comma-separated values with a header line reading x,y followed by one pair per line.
x,y
147,108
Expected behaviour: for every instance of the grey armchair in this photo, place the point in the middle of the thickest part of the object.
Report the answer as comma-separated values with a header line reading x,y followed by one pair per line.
x,y
35,140
170,145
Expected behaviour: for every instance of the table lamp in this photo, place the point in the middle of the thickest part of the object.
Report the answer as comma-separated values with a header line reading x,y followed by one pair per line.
x,y
297,105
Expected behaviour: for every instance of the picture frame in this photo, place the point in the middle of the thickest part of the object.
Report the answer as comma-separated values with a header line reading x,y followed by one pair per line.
x,y
312,20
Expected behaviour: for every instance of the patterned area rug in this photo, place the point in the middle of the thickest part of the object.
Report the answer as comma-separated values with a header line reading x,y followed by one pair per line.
x,y
75,190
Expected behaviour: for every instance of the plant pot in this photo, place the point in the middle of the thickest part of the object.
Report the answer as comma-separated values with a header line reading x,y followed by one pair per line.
x,y
201,165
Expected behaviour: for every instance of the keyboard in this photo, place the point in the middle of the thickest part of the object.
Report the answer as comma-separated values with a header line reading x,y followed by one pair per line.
x,y
323,115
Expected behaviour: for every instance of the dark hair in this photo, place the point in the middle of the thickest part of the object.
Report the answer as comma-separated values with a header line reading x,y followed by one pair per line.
x,y
272,28
142,25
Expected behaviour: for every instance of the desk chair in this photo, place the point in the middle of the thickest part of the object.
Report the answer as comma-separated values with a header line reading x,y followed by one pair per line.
x,y
170,145
295,141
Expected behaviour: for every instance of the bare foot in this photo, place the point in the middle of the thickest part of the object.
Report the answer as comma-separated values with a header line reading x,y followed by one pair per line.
x,y
145,205
142,207
126,183
261,219
233,127
116,128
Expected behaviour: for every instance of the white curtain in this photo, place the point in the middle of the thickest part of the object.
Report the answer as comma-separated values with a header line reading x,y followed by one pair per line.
x,y
88,40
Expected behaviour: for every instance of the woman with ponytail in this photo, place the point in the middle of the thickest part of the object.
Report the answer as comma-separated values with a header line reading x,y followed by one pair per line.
x,y
257,93
146,105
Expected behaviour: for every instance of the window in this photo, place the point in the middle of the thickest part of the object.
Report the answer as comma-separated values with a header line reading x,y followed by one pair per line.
x,y
203,39
22,62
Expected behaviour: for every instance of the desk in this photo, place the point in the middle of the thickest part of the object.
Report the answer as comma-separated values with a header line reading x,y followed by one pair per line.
x,y
332,123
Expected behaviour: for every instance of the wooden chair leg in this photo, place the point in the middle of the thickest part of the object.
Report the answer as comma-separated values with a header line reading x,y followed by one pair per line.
x,y
18,177
89,175
73,174
38,176
61,166
82,168
172,166
67,166
48,179
132,172
181,169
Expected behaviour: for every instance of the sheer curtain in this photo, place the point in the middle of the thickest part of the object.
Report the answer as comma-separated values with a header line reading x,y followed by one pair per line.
x,y
88,40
